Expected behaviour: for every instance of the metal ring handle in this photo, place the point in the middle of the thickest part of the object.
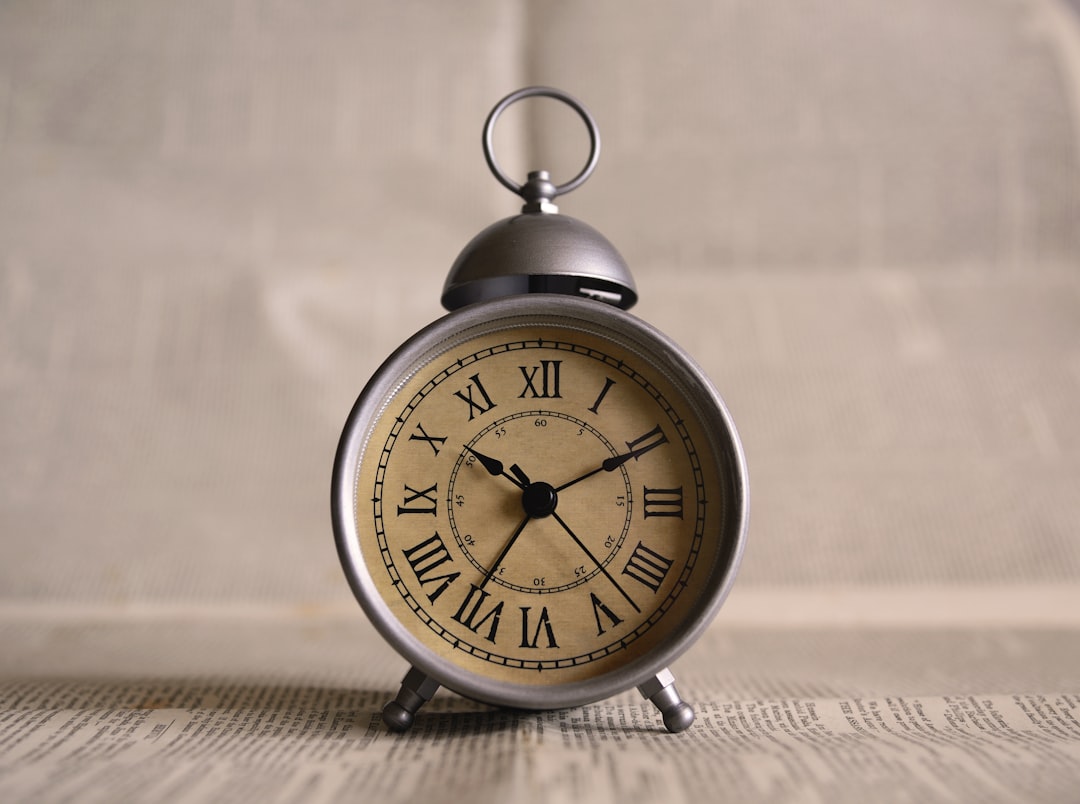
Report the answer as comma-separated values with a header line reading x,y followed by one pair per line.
x,y
547,92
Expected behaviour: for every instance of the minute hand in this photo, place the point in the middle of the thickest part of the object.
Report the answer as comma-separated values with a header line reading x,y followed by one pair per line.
x,y
615,461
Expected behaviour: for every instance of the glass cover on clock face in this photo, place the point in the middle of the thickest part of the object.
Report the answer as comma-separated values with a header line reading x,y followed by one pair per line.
x,y
540,502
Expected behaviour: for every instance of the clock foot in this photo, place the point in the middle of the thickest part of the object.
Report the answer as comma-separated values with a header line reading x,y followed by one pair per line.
x,y
416,690
660,689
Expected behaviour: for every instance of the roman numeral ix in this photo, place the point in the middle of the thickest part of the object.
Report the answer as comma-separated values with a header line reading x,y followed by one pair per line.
x,y
419,502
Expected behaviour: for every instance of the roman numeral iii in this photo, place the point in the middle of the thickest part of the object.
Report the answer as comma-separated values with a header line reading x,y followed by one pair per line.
x,y
663,502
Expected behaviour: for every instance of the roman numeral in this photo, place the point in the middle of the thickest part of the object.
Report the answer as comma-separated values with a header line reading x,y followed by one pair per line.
x,y
466,395
647,567
608,382
423,436
416,502
425,558
651,440
543,623
599,608
549,380
663,502
469,616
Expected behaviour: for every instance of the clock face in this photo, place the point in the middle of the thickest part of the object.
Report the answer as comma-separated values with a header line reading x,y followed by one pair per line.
x,y
539,502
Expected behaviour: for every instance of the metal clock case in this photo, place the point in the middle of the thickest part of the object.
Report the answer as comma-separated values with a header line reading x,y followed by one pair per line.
x,y
539,500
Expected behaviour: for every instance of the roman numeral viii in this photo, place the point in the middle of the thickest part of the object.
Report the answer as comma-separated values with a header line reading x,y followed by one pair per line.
x,y
425,558
549,380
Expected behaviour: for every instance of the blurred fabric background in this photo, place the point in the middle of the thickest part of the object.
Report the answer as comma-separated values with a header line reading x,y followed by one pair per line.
x,y
217,218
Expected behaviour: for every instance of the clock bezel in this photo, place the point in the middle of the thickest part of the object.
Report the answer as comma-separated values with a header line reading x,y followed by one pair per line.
x,y
656,350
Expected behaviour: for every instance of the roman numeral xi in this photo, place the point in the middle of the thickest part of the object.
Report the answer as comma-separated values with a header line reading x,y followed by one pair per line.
x,y
476,397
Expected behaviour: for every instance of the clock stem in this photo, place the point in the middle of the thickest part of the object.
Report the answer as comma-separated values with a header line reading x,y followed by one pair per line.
x,y
416,690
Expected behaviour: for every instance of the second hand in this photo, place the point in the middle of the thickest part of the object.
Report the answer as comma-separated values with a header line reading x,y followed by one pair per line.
x,y
594,560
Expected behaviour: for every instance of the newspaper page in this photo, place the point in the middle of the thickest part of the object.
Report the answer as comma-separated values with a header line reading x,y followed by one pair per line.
x,y
857,715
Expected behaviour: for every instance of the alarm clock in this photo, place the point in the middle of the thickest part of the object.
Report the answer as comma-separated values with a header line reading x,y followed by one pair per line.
x,y
539,500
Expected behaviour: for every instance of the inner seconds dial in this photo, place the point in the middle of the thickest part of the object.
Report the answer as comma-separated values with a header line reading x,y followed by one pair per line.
x,y
509,503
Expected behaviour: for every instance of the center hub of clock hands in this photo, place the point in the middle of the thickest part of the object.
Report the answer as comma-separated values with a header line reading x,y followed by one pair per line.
x,y
539,500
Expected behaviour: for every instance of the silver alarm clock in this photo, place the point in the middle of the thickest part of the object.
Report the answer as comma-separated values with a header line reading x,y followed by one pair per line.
x,y
539,500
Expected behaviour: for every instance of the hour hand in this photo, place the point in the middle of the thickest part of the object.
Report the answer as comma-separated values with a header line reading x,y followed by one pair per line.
x,y
494,467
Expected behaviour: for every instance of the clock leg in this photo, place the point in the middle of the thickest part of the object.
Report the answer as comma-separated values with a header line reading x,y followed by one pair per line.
x,y
660,689
416,690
